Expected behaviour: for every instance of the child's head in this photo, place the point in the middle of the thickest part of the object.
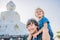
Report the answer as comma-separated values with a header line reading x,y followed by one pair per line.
x,y
32,25
39,13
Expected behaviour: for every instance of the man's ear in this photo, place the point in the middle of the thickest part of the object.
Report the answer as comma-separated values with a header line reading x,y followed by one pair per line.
x,y
36,27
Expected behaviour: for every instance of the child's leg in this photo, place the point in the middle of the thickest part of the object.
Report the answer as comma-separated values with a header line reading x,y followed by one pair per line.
x,y
45,35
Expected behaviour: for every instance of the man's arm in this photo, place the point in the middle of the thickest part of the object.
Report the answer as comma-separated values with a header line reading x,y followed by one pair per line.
x,y
29,37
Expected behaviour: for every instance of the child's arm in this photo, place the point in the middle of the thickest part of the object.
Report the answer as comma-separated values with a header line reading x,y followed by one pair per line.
x,y
38,32
45,27
45,35
41,30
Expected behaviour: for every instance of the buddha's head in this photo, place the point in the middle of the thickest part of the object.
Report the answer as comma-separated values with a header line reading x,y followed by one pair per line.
x,y
10,6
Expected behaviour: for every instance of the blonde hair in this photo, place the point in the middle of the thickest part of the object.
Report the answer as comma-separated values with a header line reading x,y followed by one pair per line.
x,y
39,9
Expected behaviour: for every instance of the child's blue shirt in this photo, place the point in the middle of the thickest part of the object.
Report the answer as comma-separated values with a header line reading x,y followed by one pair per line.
x,y
41,24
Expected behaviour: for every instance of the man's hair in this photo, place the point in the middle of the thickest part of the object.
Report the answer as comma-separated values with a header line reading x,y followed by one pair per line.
x,y
33,21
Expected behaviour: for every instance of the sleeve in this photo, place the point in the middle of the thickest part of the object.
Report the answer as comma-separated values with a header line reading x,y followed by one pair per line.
x,y
45,20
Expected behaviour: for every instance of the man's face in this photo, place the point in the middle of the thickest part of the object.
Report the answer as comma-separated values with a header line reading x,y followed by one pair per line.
x,y
32,28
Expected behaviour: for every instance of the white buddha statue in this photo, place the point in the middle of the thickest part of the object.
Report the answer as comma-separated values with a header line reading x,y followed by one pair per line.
x,y
10,14
11,21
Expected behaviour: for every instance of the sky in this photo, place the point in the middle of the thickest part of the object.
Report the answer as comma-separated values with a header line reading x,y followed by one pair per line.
x,y
26,10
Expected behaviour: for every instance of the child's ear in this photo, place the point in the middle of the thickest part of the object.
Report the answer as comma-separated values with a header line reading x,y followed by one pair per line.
x,y
35,15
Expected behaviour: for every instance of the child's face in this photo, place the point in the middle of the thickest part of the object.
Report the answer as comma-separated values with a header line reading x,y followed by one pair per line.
x,y
39,13
32,28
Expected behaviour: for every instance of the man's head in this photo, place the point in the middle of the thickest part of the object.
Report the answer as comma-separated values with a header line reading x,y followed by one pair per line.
x,y
32,26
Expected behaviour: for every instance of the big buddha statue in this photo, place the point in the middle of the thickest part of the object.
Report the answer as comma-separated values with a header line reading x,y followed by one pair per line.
x,y
11,23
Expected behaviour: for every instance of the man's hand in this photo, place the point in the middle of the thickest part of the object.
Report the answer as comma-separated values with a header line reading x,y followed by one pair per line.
x,y
29,37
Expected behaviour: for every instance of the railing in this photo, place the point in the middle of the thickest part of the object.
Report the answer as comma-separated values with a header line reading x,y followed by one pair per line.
x,y
13,37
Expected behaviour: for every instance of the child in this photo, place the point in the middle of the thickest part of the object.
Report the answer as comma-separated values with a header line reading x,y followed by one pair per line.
x,y
44,25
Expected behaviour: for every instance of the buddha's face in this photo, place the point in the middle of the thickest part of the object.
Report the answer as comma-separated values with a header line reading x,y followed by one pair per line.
x,y
10,6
